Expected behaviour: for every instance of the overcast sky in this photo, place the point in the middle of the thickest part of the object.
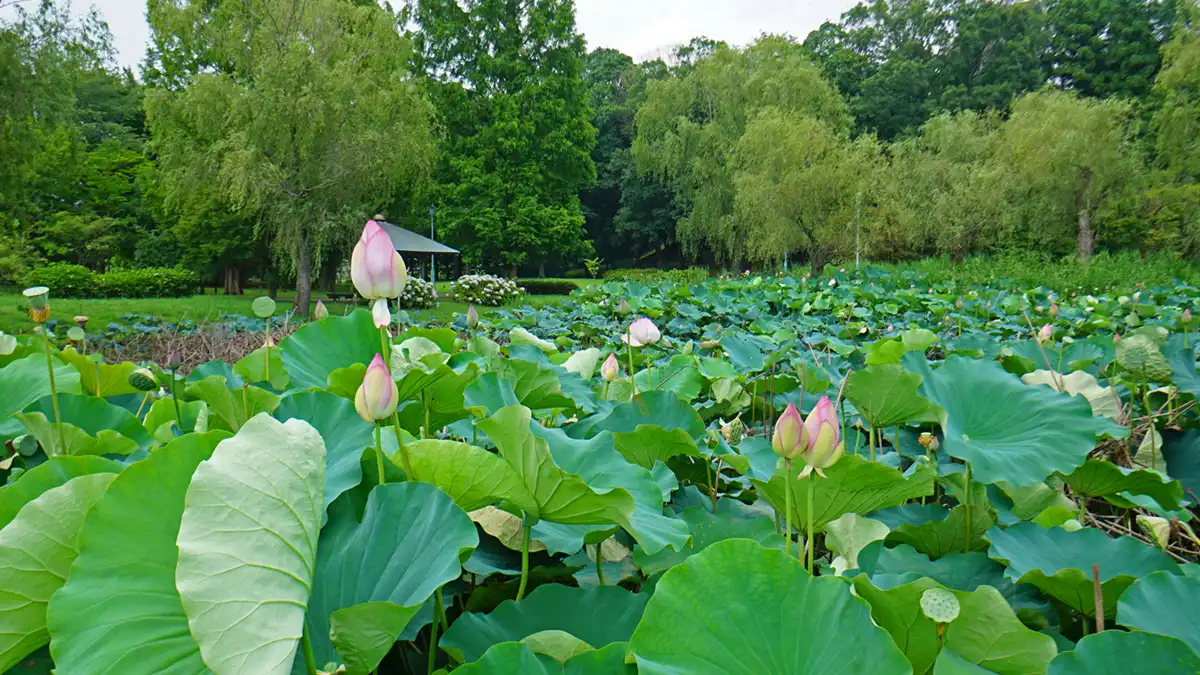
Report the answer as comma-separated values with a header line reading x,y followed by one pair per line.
x,y
637,27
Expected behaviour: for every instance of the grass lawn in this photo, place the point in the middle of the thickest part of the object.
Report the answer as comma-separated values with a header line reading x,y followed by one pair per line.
x,y
209,307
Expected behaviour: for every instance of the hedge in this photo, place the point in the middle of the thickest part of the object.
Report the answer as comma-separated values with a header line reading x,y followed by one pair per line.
x,y
75,281
548,286
691,275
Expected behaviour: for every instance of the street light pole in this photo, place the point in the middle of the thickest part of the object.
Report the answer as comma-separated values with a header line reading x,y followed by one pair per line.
x,y
432,257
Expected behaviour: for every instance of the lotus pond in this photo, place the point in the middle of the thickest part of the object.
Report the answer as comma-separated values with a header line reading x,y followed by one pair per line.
x,y
990,480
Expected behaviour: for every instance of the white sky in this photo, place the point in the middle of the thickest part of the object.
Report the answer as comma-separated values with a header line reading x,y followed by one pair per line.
x,y
637,27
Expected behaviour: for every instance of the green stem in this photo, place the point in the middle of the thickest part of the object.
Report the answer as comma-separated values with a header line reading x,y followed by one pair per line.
x,y
433,642
716,484
632,378
62,439
599,565
812,535
384,338
145,397
379,455
967,506
871,442
310,661
1150,417
525,527
605,395
440,605
400,442
175,400
425,406
787,509
897,437
267,361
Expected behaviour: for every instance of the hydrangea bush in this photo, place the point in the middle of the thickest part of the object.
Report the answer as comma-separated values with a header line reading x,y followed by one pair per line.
x,y
485,289
418,294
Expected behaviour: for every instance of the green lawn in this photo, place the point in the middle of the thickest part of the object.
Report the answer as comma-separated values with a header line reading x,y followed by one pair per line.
x,y
208,307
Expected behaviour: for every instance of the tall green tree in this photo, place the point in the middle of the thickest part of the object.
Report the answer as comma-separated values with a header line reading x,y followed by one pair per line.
x,y
300,115
690,125
507,78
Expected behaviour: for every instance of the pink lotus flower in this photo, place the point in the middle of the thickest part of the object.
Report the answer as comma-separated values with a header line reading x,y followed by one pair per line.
x,y
1045,333
641,333
378,395
321,312
790,438
824,433
610,369
376,269
380,314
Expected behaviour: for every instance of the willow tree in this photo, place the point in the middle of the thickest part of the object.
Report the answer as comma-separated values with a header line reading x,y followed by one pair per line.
x,y
300,114
690,124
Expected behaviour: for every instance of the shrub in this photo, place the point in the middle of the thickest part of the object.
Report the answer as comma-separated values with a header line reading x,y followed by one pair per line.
x,y
417,294
484,289
150,282
691,275
578,273
549,286
64,280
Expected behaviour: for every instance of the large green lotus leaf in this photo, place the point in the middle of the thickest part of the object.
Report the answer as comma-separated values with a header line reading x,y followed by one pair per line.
x,y
942,537
743,353
444,338
1006,430
886,395
815,625
411,541
661,408
707,529
536,386
597,462
854,485
26,380
950,663
444,399
317,349
98,378
1115,652
1060,562
1181,450
365,633
99,426
1099,478
1104,400
210,368
891,567
50,474
583,362
132,622
848,535
1164,603
650,443
346,436
229,409
248,545
986,633
345,382
1183,365
36,552
160,421
518,658
561,497
488,393
599,616
1062,356
263,365
473,477
681,375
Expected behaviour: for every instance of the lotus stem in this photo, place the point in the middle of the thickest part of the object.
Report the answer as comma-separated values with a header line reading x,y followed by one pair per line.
x,y
715,486
145,397
599,565
310,661
897,437
175,400
787,501
384,338
525,527
62,439
1098,595
400,442
967,506
871,442
1150,417
812,535
632,378
379,455
440,605
267,361
433,642
425,407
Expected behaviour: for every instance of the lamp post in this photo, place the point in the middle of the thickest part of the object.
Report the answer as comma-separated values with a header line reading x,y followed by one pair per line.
x,y
432,257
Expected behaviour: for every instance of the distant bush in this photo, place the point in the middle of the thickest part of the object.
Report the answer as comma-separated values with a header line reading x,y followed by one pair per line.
x,y
578,273
149,282
691,275
64,280
549,286
417,294
484,289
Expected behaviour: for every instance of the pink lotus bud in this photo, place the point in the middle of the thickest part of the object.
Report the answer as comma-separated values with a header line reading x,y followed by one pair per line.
x,y
1116,338
377,396
958,303
610,369
642,332
790,438
1187,316
472,317
1054,309
321,312
623,307
376,269
824,433
1045,333
380,313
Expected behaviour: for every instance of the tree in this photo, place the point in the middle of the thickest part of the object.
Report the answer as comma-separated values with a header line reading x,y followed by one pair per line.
x,y
297,115
691,123
1068,157
506,76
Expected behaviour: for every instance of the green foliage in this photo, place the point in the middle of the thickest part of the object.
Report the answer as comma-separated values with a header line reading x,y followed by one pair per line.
x,y
75,281
63,279
549,286
691,275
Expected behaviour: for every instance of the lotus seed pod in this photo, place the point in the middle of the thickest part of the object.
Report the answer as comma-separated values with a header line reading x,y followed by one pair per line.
x,y
263,307
734,431
1141,358
1158,529
928,441
143,379
940,605
81,320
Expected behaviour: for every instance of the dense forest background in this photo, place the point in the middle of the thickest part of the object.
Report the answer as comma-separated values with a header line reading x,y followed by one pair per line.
x,y
259,134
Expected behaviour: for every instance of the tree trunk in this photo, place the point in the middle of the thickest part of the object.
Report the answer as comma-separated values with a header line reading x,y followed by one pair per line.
x,y
1087,237
303,280
512,271
542,269
818,259
233,280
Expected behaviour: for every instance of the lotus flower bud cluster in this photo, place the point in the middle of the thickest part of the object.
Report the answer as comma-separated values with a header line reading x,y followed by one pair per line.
x,y
817,441
377,270
641,333
378,395
610,369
